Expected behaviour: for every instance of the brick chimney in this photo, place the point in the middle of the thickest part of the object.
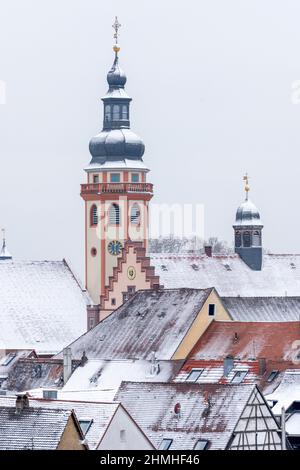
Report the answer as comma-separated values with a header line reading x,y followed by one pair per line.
x,y
208,250
22,402
93,316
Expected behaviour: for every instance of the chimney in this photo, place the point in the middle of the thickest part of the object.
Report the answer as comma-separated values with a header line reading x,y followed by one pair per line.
x,y
22,402
177,410
67,361
208,250
93,316
262,365
227,365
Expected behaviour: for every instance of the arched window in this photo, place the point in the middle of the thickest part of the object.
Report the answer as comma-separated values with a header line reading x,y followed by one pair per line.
x,y
135,214
116,112
256,238
107,113
94,215
238,239
124,112
114,216
247,239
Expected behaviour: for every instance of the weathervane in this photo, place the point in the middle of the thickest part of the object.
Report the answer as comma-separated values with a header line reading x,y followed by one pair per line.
x,y
247,187
116,26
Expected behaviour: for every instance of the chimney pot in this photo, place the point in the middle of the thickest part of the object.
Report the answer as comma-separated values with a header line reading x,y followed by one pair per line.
x,y
208,250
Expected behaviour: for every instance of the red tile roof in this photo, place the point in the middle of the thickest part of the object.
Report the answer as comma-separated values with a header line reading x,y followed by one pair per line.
x,y
249,340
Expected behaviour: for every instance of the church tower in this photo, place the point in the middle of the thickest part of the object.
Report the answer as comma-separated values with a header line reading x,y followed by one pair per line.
x,y
116,193
248,232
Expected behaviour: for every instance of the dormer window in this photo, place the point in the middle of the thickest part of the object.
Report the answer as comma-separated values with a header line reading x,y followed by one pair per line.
x,y
116,112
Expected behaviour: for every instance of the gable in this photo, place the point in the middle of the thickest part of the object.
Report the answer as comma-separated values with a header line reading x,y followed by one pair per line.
x,y
201,323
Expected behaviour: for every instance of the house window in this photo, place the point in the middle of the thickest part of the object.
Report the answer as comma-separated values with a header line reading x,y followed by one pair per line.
x,y
131,290
50,394
116,112
123,435
194,375
94,215
85,425
239,376
115,177
114,214
135,177
201,444
238,239
211,310
113,301
95,179
272,375
93,252
247,239
107,113
125,297
124,112
91,323
165,444
135,214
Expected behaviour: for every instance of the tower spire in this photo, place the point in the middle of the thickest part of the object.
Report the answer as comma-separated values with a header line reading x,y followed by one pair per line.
x,y
116,26
4,253
247,187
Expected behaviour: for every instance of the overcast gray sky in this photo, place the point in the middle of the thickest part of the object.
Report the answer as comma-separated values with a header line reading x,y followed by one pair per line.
x,y
211,82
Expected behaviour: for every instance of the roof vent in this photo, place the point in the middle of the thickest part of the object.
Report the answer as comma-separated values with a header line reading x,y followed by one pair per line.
x,y
195,267
227,267
177,410
164,267
293,266
154,367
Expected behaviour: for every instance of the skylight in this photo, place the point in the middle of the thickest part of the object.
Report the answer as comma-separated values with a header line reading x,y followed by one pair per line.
x,y
239,376
165,444
194,375
85,425
272,376
201,444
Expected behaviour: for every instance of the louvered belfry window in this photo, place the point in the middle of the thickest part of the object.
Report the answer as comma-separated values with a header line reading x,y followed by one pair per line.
x,y
114,216
94,215
135,214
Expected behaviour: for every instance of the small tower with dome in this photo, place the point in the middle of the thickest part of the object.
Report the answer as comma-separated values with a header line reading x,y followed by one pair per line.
x,y
4,253
248,232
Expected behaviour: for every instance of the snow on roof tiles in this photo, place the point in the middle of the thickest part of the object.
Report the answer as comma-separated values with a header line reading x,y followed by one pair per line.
x,y
105,377
32,429
152,407
152,320
42,305
242,340
264,309
280,274
100,413
287,392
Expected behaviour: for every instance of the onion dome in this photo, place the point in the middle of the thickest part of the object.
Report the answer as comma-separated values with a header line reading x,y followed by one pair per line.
x,y
116,77
116,141
247,214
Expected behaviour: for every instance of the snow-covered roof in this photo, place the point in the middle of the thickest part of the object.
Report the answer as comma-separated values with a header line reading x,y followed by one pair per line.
x,y
287,392
244,341
263,309
152,407
280,274
125,164
32,429
42,305
100,413
105,377
151,321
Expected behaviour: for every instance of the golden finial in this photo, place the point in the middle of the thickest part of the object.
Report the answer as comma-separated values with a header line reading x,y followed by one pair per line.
x,y
116,26
247,187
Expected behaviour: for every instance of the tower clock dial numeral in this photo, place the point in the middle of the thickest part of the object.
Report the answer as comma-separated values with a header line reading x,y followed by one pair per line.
x,y
114,247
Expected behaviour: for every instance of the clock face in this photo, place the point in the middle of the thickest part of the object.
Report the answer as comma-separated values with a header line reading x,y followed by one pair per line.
x,y
131,273
114,247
